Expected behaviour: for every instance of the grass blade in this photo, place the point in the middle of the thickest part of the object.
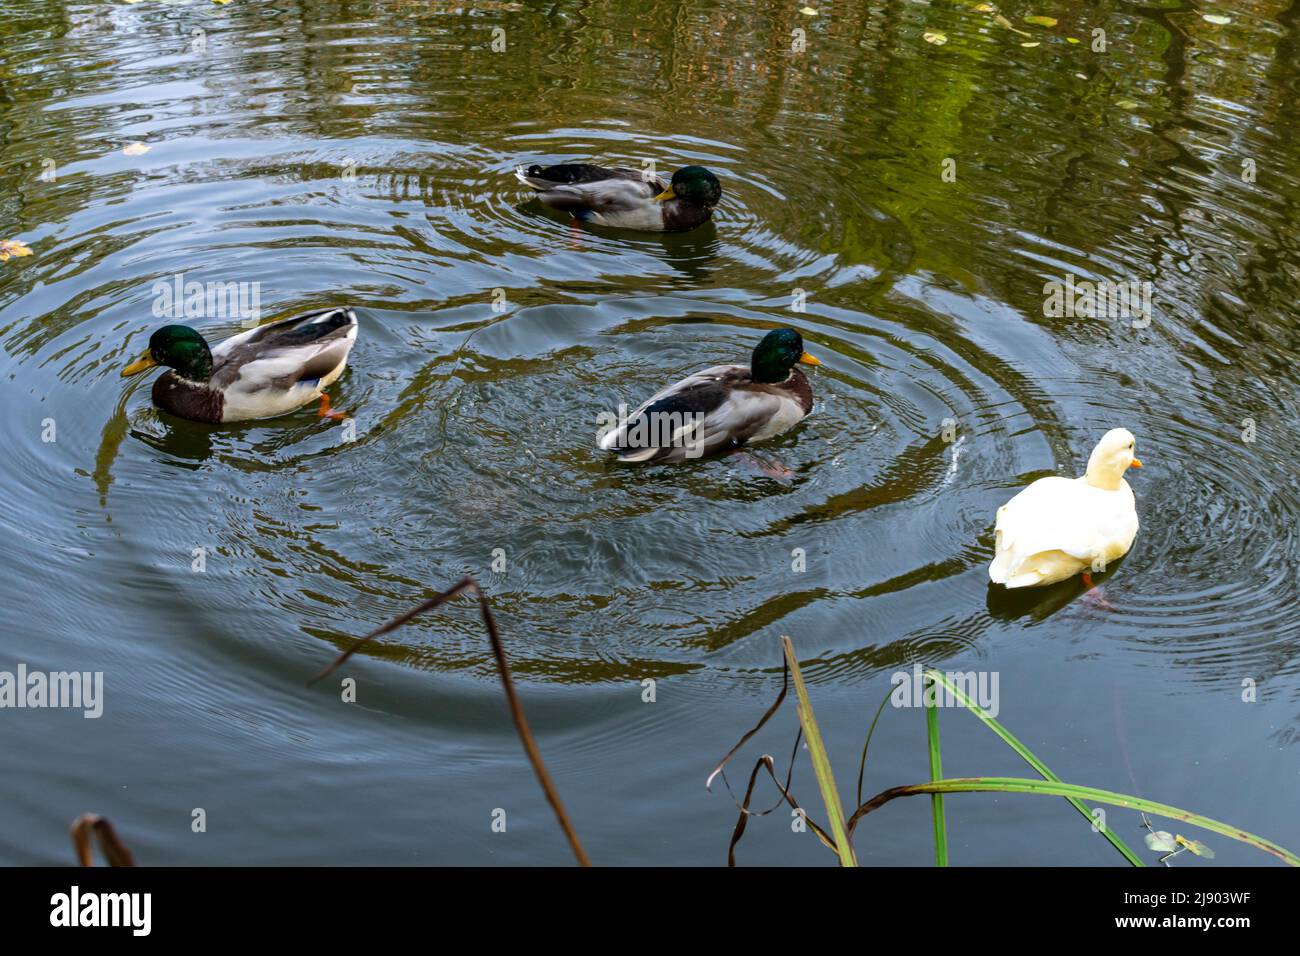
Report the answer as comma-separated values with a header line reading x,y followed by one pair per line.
x,y
862,764
1030,758
820,761
1057,789
936,773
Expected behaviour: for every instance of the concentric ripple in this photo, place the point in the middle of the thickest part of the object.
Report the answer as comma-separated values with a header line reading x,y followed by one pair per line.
x,y
366,157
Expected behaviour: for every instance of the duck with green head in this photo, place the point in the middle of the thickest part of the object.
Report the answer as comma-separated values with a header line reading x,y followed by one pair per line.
x,y
625,198
264,372
720,408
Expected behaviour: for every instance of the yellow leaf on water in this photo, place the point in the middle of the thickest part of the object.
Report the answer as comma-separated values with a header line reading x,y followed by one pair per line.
x,y
132,1
136,149
222,2
1126,104
935,37
1002,21
1216,18
985,8
1042,21
13,249
1034,43
1196,846
1071,39
806,11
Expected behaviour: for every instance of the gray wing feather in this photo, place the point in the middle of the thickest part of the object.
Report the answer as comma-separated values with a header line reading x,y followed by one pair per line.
x,y
608,196
731,413
623,190
272,356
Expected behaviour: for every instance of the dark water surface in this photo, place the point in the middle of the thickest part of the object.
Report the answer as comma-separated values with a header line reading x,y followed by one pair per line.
x,y
361,153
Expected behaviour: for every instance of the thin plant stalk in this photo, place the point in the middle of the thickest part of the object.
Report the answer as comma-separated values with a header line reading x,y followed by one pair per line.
x,y
1057,789
936,773
862,764
507,682
820,761
91,826
1031,758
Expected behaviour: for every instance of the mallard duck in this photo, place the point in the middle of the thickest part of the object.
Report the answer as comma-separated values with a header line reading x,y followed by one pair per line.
x,y
261,373
1059,527
720,408
612,196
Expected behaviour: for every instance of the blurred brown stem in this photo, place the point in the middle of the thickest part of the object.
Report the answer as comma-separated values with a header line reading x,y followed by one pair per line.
x,y
503,668
92,825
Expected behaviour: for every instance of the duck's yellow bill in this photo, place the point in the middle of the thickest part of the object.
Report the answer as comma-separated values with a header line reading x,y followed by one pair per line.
x,y
1136,463
139,365
807,359
666,194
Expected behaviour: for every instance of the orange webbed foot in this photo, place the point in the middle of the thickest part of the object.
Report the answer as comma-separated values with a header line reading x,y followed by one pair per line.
x,y
326,412
769,467
1095,596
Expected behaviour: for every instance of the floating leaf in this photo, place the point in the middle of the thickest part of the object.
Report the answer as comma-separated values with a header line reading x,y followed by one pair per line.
x,y
1082,76
1160,841
1126,104
935,37
985,8
1042,21
1216,18
221,2
132,1
1034,43
1002,21
136,149
806,11
13,249
1071,39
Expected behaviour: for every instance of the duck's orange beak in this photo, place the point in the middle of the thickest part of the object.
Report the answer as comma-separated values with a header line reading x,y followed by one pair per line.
x,y
144,362
807,359
1136,463
667,194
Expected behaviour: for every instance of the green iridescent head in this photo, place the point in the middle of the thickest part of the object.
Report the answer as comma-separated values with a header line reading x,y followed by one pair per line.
x,y
694,184
777,353
177,347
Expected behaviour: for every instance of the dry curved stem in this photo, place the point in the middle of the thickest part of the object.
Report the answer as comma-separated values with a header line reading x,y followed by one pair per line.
x,y
90,826
862,764
785,685
794,752
507,682
743,820
766,762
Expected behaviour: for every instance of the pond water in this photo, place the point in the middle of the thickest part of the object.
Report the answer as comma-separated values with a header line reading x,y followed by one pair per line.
x,y
902,203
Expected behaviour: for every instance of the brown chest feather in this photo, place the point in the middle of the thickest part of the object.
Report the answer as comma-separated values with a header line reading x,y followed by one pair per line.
x,y
187,399
798,387
680,215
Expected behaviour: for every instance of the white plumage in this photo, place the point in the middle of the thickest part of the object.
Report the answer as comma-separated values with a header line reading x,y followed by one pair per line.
x,y
1059,527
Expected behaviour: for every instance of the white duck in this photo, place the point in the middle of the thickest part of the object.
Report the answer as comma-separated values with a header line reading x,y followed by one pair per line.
x,y
1059,527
